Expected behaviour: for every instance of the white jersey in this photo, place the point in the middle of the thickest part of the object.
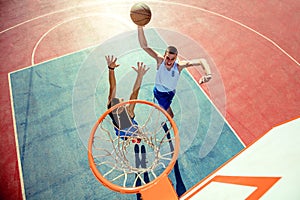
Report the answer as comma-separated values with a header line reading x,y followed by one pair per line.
x,y
166,80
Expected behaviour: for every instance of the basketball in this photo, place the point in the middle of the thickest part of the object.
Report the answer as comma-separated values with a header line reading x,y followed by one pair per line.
x,y
140,14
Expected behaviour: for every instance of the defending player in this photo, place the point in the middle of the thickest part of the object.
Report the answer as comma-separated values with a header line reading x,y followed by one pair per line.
x,y
123,117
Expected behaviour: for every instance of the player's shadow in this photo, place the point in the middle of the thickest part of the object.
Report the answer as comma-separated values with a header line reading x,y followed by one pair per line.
x,y
141,162
180,187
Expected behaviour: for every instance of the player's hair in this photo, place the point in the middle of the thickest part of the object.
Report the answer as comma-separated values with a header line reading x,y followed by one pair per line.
x,y
171,50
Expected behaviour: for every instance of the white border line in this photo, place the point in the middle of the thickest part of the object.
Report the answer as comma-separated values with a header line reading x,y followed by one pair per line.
x,y
89,5
163,2
16,139
238,23
219,112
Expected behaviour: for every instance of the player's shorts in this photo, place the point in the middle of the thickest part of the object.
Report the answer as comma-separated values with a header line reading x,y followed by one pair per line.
x,y
128,132
164,99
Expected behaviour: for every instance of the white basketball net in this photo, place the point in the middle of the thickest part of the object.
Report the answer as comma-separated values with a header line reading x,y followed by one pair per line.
x,y
125,163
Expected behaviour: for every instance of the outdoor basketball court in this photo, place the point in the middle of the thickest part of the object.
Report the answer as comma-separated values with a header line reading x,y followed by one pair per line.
x,y
58,85
68,94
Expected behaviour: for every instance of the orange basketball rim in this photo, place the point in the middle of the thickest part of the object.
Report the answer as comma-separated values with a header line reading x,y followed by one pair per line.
x,y
108,151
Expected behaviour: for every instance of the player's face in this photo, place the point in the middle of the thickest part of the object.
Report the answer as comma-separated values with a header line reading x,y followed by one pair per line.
x,y
169,60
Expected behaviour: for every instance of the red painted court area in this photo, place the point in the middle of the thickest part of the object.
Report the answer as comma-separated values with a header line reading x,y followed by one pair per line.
x,y
255,46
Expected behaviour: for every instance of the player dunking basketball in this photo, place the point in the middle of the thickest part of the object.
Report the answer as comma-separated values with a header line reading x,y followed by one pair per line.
x,y
168,71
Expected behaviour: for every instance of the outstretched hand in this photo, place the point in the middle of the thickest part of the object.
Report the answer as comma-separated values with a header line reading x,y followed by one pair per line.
x,y
205,78
111,62
141,68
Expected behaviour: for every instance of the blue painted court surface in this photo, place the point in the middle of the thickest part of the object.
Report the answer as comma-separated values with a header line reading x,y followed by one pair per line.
x,y
56,103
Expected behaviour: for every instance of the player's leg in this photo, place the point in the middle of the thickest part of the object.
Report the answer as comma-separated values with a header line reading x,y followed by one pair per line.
x,y
170,111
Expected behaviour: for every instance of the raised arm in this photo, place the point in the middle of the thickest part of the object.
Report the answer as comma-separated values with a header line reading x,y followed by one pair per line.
x,y
141,71
111,64
144,45
197,62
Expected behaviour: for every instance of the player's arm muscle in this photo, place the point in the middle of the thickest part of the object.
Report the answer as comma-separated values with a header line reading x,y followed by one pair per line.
x,y
144,44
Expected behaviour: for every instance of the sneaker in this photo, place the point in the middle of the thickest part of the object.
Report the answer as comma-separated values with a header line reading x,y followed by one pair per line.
x,y
136,140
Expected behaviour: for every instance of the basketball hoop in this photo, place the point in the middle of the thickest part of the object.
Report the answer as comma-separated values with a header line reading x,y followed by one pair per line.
x,y
112,158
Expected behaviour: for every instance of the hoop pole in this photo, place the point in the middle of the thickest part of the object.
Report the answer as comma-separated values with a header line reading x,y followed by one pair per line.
x,y
163,189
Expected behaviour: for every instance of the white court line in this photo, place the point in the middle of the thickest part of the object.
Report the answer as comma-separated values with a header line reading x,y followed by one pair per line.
x,y
16,139
239,23
126,22
101,4
52,13
172,3
32,62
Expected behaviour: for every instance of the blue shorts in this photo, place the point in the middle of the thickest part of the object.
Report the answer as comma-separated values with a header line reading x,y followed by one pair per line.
x,y
128,132
164,99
